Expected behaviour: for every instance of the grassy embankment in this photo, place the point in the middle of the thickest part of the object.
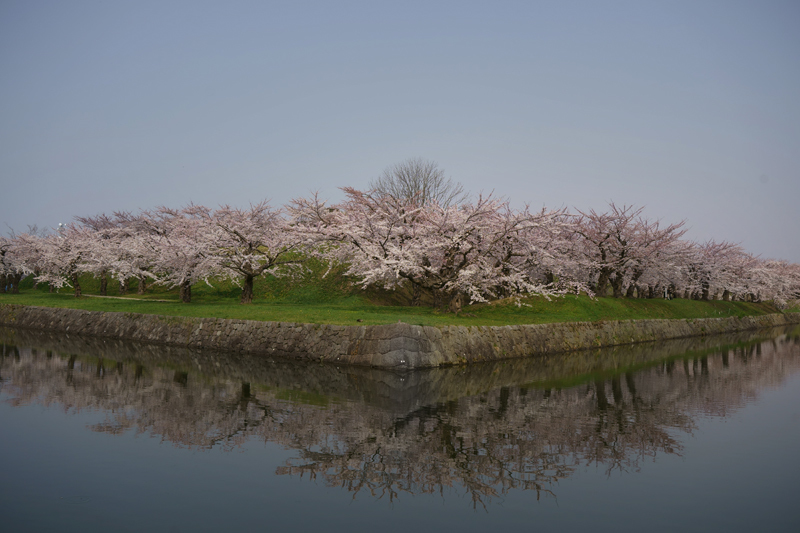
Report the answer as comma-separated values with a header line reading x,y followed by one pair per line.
x,y
333,300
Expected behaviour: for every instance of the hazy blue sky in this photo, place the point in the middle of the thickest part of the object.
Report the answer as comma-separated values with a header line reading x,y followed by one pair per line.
x,y
690,108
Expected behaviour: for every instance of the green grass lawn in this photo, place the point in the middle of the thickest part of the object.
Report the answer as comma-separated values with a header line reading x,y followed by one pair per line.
x,y
332,300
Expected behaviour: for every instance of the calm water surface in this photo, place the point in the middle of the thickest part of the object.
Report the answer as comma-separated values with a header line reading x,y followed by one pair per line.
x,y
690,435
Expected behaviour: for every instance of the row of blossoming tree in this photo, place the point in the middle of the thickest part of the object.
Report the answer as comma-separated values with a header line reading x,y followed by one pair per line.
x,y
442,255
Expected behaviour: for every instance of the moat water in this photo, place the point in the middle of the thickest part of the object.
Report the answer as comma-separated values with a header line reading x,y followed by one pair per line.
x,y
686,435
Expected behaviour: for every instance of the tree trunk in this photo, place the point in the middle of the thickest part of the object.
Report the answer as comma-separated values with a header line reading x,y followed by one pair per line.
x,y
186,292
726,295
616,284
15,281
616,390
455,303
123,286
247,290
600,390
602,284
103,283
3,282
245,396
77,285
633,288
416,295
142,285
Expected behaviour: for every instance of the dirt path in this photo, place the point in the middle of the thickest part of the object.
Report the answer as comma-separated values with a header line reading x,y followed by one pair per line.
x,y
127,298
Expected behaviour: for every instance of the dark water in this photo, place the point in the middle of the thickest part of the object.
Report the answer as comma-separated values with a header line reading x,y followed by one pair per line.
x,y
691,435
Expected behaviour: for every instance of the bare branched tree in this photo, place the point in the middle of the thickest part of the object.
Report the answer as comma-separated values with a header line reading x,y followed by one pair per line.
x,y
419,180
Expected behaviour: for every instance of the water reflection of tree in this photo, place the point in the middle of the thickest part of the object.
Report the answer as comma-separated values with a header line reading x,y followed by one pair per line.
x,y
506,438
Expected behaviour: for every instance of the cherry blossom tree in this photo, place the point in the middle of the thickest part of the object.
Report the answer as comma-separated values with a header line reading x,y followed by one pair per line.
x,y
23,257
246,243
770,279
782,282
58,258
668,275
183,252
133,250
481,250
103,247
717,267
598,234
620,246
653,249
443,251
15,263
8,270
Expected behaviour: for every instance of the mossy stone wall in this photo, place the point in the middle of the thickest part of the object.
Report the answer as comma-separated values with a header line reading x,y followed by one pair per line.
x,y
390,346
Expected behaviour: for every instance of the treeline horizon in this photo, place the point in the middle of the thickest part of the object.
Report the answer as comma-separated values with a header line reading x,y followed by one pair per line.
x,y
412,229
472,251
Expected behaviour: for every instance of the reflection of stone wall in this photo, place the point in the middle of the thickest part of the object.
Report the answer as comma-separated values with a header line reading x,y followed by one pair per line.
x,y
363,430
391,346
394,390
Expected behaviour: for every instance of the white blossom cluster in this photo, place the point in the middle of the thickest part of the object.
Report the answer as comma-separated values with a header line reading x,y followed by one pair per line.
x,y
443,255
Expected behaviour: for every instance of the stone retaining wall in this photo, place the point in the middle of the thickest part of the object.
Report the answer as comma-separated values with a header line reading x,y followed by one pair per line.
x,y
391,346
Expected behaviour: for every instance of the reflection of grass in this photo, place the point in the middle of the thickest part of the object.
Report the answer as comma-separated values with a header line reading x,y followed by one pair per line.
x,y
331,300
610,373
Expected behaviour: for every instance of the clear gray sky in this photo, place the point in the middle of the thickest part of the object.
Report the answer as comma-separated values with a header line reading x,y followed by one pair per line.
x,y
690,108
